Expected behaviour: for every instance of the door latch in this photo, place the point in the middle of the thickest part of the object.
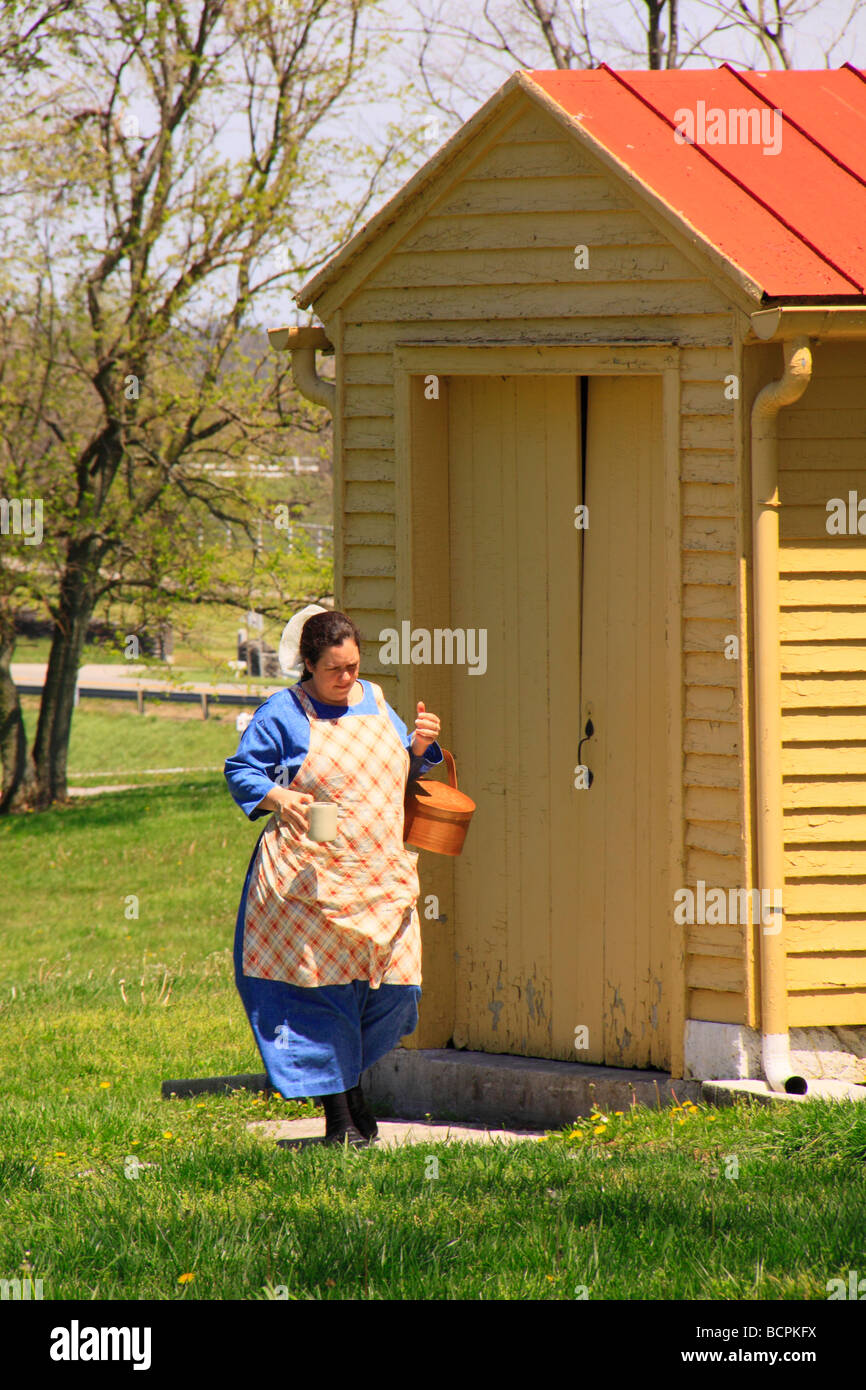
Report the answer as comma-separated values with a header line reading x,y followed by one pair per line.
x,y
587,734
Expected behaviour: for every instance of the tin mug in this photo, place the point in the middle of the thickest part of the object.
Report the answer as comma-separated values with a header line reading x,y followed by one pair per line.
x,y
322,816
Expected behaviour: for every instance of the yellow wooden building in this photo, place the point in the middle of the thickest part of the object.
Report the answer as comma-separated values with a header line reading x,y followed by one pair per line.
x,y
600,384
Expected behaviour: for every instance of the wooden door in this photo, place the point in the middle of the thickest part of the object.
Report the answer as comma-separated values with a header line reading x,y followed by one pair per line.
x,y
553,928
621,822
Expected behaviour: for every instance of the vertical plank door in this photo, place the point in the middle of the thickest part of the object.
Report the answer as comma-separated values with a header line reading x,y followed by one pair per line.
x,y
555,927
624,904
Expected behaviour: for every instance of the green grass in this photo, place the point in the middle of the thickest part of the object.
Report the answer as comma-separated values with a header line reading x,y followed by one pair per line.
x,y
96,1009
110,739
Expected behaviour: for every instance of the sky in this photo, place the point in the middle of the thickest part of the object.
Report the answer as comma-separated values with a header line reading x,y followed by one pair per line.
x,y
469,74
823,34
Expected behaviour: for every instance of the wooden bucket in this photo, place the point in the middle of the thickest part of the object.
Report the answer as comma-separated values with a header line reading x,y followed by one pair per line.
x,y
437,816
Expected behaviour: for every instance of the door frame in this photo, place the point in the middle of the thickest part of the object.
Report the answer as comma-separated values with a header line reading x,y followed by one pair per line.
x,y
422,591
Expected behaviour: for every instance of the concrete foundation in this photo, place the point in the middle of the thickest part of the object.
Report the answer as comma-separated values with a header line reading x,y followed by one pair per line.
x,y
728,1092
733,1051
509,1091
532,1093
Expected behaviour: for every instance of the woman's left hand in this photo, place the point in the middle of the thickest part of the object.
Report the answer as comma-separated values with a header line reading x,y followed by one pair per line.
x,y
426,729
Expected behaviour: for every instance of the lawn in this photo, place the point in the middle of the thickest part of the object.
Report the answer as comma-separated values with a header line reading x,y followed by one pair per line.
x,y
112,743
109,1192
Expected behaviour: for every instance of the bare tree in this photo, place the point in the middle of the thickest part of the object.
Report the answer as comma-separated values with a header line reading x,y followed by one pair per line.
x,y
457,50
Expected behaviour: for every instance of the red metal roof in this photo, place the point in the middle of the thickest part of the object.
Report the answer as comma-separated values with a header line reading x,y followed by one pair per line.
x,y
794,220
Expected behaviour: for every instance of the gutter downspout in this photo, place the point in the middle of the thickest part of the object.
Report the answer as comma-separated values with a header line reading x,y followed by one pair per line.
x,y
775,1054
302,343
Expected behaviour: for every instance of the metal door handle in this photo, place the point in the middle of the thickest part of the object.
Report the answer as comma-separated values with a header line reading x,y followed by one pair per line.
x,y
588,733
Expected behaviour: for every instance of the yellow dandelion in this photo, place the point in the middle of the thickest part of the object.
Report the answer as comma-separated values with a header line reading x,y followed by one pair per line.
x,y
619,1112
185,1278
549,1278
104,1085
60,1153
135,1141
167,1134
599,1129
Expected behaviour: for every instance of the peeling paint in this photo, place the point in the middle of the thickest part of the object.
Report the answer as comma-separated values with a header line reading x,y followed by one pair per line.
x,y
495,1006
654,1011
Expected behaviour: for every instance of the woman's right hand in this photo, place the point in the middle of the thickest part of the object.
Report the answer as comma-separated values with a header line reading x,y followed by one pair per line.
x,y
291,811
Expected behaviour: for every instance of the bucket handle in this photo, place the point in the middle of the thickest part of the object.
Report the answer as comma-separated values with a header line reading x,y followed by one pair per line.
x,y
452,768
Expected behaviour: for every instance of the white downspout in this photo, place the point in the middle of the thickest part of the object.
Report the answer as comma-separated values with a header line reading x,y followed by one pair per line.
x,y
775,1046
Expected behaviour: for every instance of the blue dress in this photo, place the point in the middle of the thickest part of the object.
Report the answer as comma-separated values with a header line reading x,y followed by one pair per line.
x,y
316,1041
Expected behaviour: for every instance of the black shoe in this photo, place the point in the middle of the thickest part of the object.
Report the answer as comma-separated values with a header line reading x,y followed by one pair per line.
x,y
349,1134
361,1113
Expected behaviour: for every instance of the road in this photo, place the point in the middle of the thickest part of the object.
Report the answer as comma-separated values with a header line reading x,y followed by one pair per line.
x,y
111,676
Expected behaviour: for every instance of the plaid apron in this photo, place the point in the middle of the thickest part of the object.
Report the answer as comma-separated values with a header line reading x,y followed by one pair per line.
x,y
344,910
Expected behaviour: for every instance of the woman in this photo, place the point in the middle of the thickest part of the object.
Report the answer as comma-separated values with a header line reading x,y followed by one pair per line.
x,y
328,941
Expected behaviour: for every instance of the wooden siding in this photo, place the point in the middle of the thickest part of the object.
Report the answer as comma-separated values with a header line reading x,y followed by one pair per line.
x,y
493,261
822,583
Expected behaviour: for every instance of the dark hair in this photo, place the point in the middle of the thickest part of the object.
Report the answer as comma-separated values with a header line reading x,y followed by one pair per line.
x,y
325,630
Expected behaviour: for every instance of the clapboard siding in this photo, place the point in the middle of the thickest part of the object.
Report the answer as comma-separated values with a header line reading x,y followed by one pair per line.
x,y
515,232
688,328
493,260
369,465
822,592
530,265
485,304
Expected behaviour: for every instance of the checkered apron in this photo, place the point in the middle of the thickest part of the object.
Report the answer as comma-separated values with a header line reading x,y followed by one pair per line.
x,y
327,914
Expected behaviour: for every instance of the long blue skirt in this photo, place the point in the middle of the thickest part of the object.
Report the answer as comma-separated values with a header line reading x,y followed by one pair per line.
x,y
316,1042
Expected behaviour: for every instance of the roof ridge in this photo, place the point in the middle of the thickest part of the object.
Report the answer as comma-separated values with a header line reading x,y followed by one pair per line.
x,y
744,187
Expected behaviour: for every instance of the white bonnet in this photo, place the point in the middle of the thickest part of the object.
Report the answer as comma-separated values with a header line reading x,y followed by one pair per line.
x,y
290,642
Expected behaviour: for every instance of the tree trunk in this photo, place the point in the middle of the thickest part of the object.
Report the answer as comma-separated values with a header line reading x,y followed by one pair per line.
x,y
18,781
654,33
51,747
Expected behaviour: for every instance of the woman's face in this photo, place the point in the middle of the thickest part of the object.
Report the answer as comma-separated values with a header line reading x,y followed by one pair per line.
x,y
336,672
